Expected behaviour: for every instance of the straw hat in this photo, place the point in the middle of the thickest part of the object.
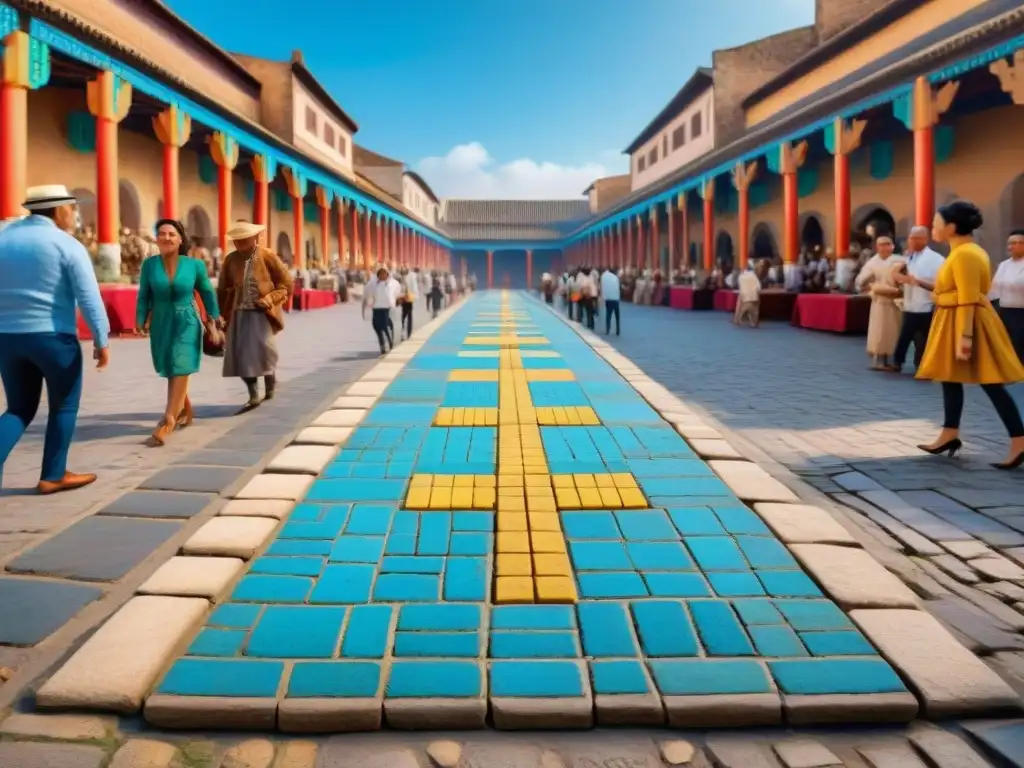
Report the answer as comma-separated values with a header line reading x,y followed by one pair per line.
x,y
48,196
243,230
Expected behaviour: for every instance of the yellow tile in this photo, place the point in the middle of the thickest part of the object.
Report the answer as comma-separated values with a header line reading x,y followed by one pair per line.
x,y
537,481
458,417
512,521
590,498
555,589
509,480
421,481
544,521
513,589
610,498
540,504
511,504
624,480
562,481
441,498
483,498
588,416
550,565
443,417
512,492
513,564
545,415
473,375
547,542
512,541
418,498
567,499
604,481
462,498
462,481
632,498
444,481
484,481
584,481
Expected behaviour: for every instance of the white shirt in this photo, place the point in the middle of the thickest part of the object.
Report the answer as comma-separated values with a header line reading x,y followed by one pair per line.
x,y
585,284
1008,284
611,288
409,286
382,295
845,271
924,266
750,287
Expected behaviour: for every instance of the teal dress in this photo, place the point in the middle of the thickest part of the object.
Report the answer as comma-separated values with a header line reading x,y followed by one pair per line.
x,y
175,329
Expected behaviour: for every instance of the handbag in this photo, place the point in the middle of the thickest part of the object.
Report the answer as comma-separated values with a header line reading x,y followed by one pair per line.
x,y
211,347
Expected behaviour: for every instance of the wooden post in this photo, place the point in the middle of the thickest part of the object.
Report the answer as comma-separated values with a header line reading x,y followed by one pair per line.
x,y
224,151
670,211
342,249
26,66
109,98
529,269
264,169
297,187
742,175
684,210
173,129
490,269
841,139
324,200
707,193
927,108
791,158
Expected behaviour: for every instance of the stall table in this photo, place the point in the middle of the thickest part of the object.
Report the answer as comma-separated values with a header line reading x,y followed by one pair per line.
x,y
120,302
778,305
725,300
835,312
688,297
309,298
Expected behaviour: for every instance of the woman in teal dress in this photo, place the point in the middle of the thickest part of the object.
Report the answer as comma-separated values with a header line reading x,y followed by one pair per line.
x,y
167,310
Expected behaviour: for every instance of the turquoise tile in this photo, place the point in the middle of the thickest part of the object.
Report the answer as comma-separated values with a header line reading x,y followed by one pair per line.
x,y
466,579
789,584
716,553
740,520
215,677
694,677
536,679
434,679
367,633
735,584
590,525
217,642
551,617
811,615
843,643
758,612
272,589
334,680
343,584
611,585
473,522
677,584
763,552
234,616
448,644
439,618
664,628
357,549
299,547
327,528
605,629
684,486
600,556
659,556
401,544
355,489
533,645
652,525
435,532
296,632
371,519
777,641
406,587
412,565
816,677
287,566
614,678
720,631
470,544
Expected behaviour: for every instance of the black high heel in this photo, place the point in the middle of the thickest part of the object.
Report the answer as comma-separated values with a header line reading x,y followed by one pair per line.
x,y
950,448
1017,462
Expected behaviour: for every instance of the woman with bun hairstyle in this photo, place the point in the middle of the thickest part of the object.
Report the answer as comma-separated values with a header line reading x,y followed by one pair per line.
x,y
167,310
968,343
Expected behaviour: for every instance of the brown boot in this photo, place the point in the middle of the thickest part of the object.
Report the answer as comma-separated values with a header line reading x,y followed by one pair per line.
x,y
186,416
70,482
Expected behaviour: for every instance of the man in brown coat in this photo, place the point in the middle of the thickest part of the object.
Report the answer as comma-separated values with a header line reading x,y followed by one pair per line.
x,y
254,285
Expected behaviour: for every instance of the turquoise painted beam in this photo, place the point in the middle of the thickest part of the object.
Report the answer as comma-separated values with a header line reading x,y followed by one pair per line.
x,y
498,246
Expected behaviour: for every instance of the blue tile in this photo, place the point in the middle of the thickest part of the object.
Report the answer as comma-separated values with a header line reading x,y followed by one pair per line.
x,y
532,617
536,679
466,579
651,525
693,677
371,519
612,678
343,584
328,527
288,566
600,556
789,584
685,486
412,565
533,645
740,520
214,677
430,679
762,552
272,589
851,643
777,641
835,676
605,629
406,587
473,522
450,644
716,553
334,679
439,618
664,629
299,547
369,471
233,616
435,530
758,612
659,556
590,525
735,584
719,629
217,642
470,544
677,585
366,636
611,585
296,632
401,544
356,489
810,615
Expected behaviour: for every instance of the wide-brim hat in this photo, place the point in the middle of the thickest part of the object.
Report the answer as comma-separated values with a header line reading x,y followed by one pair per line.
x,y
48,196
243,230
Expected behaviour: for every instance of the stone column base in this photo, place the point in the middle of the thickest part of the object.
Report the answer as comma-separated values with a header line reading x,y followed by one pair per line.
x,y
108,267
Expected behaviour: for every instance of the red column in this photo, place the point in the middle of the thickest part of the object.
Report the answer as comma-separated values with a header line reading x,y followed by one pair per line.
x,y
490,269
342,250
684,209
224,151
670,210
109,99
18,77
790,219
628,255
655,250
639,256
264,169
366,240
173,129
324,200
843,204
529,270
381,226
709,224
742,175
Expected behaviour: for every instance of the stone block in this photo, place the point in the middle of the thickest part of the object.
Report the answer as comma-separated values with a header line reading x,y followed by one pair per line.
x,y
207,577
230,537
277,509
444,754
296,754
364,402
723,710
945,749
806,753
998,567
543,694
739,753
348,417
32,610
158,504
750,482
302,459
698,432
436,714
193,479
27,754
64,727
270,486
367,388
330,715
253,753
967,550
803,524
144,753
210,712
948,679
323,436
1004,738
714,449
844,708
890,754
853,578
118,665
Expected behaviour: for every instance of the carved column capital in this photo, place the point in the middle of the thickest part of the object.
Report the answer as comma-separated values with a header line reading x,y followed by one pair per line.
x,y
109,97
1011,75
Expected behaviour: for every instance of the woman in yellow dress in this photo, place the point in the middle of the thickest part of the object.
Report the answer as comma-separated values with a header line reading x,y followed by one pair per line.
x,y
968,343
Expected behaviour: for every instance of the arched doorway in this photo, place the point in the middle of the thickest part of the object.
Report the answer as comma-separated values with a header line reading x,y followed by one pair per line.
x,y
871,221
812,235
723,249
197,225
764,246
1015,214
284,248
86,207
128,202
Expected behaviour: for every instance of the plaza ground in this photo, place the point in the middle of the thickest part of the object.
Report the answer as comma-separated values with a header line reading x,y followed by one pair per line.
x,y
847,431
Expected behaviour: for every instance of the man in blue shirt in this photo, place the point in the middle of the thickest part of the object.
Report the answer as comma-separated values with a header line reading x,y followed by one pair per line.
x,y
47,274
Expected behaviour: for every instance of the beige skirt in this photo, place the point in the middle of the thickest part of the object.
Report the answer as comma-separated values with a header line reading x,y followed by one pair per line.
x,y
249,350
883,327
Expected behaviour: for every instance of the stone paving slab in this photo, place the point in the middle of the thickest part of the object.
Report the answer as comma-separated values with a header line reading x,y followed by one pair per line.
x,y
31,610
526,580
166,504
193,479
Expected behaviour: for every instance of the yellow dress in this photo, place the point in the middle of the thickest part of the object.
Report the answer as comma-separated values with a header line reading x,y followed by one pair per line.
x,y
962,306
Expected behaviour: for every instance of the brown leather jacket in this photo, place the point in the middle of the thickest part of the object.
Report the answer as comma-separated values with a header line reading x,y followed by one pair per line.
x,y
272,277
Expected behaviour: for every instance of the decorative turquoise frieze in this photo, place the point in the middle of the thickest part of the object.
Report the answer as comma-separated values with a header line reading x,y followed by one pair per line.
x,y
38,63
81,132
959,68
945,136
8,20
828,133
882,158
903,110
207,170
807,181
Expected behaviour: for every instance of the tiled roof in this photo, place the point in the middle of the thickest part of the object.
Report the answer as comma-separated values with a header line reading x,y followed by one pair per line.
x,y
363,156
699,82
308,79
422,184
512,219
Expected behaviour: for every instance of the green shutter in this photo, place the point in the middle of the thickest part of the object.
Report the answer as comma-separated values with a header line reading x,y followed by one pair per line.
x,y
207,170
82,132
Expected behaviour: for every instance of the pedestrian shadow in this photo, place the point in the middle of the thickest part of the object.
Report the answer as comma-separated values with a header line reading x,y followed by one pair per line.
x,y
367,355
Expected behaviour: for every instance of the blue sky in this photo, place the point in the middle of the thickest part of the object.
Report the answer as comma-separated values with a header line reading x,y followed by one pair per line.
x,y
497,98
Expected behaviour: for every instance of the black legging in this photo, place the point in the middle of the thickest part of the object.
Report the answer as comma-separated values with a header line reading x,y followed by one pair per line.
x,y
953,405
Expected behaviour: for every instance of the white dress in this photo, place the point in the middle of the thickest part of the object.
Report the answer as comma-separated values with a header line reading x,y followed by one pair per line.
x,y
885,318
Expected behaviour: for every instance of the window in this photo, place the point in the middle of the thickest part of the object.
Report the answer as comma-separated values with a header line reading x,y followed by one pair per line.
x,y
664,145
652,156
310,120
679,137
696,125
329,134
343,146
641,164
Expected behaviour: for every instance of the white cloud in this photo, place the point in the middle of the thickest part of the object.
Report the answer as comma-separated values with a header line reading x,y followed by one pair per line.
x,y
469,171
